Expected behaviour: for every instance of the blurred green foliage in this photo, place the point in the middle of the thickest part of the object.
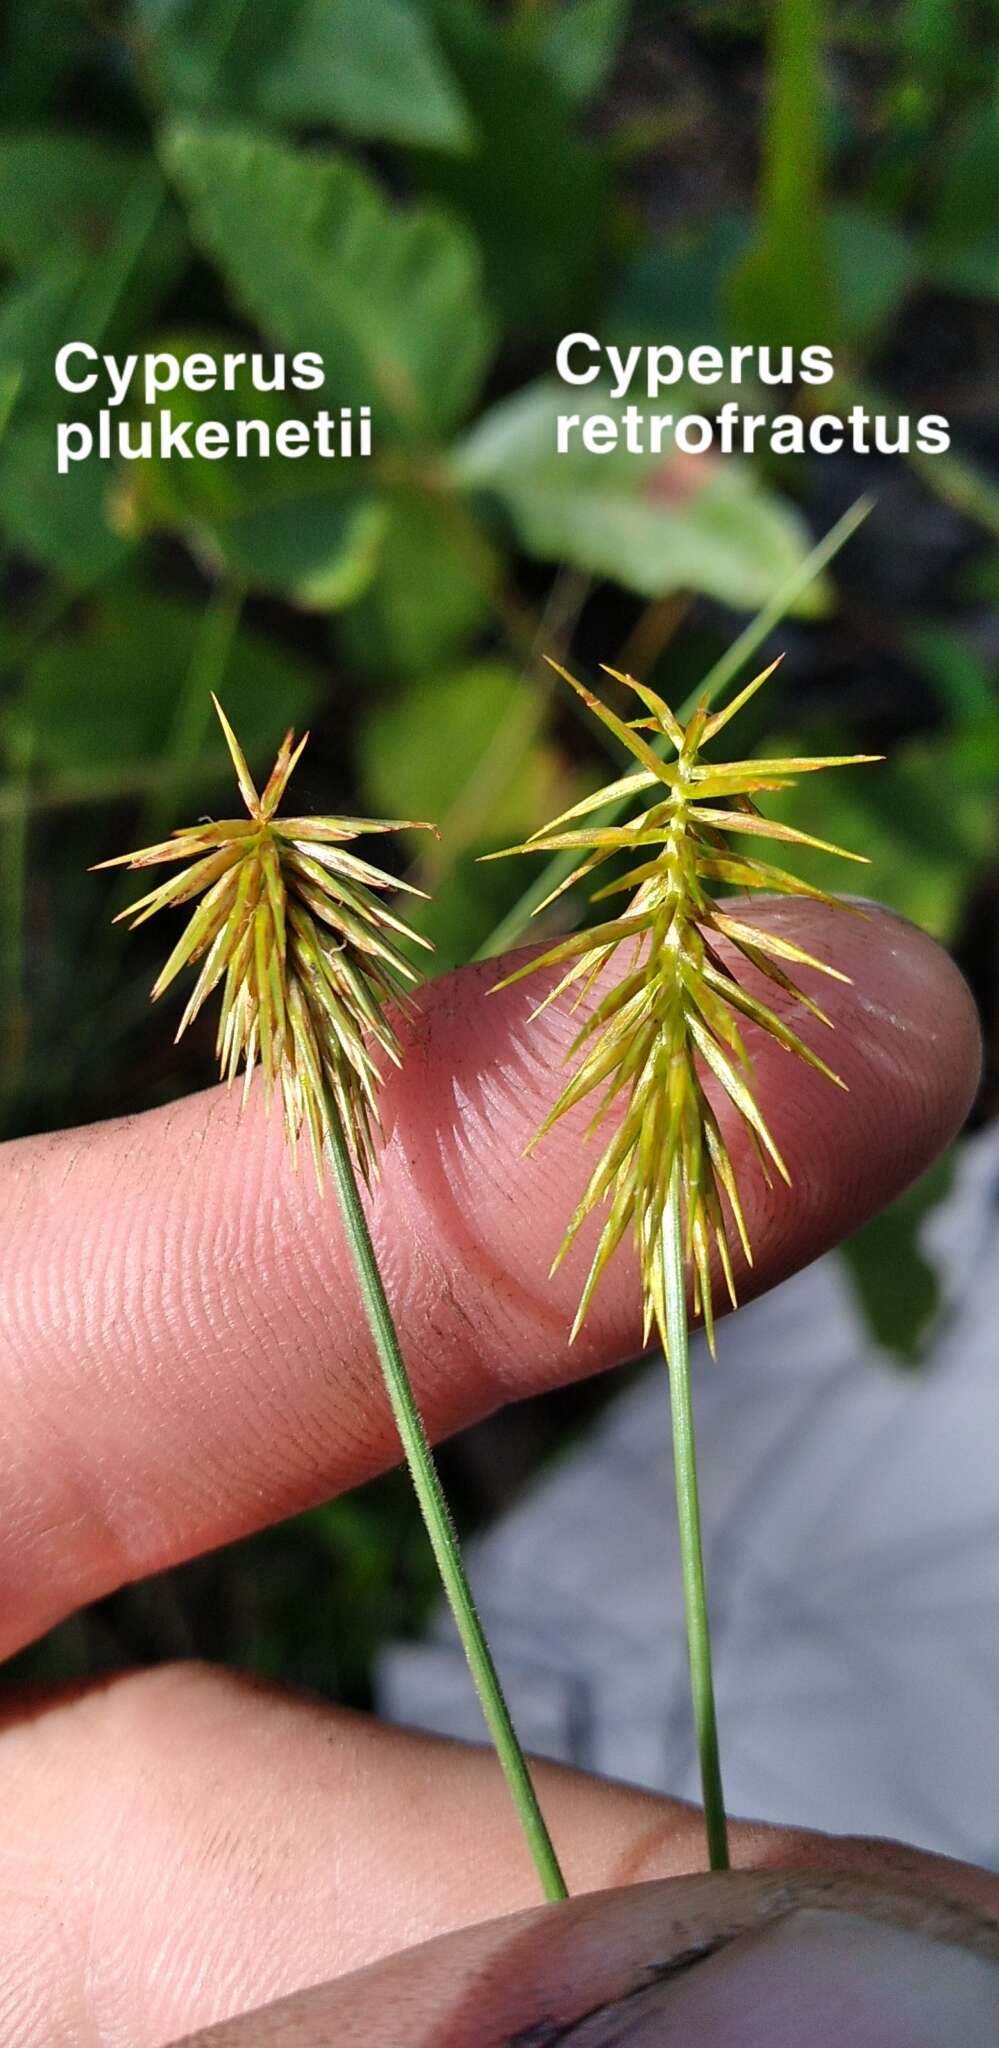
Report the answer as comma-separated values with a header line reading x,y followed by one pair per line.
x,y
430,192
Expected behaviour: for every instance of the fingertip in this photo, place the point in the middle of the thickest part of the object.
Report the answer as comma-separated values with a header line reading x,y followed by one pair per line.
x,y
185,1354
907,1055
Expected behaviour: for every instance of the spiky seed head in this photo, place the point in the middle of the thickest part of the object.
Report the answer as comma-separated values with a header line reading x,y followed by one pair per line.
x,y
295,928
676,1010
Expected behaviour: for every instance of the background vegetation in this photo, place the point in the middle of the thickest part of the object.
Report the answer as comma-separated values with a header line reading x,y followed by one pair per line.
x,y
431,192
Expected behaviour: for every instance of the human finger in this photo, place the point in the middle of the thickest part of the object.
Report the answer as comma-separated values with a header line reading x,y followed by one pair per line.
x,y
184,1355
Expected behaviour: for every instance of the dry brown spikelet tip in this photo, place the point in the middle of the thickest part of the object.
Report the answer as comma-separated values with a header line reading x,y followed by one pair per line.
x,y
295,928
676,1010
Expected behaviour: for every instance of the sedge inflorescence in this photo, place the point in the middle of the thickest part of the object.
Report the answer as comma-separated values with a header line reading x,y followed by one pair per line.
x,y
292,924
676,1010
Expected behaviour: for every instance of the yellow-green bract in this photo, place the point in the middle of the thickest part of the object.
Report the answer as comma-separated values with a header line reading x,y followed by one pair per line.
x,y
677,1007
291,924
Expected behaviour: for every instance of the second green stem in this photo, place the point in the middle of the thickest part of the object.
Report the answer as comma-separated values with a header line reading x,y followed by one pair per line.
x,y
436,1514
689,1520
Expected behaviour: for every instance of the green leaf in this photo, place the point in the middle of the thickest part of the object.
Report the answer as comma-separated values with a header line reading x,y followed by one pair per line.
x,y
963,248
580,41
373,67
62,521
73,198
898,1289
370,67
59,193
310,529
420,750
310,248
874,267
965,203
961,676
931,34
467,748
534,191
676,286
10,385
320,552
106,689
653,524
34,322
885,812
425,599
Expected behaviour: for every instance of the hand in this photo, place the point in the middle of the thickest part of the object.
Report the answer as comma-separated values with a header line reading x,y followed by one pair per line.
x,y
185,1359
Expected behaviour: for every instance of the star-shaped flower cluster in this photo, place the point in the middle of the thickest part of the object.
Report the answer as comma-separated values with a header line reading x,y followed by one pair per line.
x,y
293,925
676,1010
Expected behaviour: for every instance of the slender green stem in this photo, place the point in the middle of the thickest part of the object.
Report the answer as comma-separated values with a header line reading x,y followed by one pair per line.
x,y
688,1516
436,1515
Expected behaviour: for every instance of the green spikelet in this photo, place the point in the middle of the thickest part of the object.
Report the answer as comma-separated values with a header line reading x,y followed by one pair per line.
x,y
291,923
676,1009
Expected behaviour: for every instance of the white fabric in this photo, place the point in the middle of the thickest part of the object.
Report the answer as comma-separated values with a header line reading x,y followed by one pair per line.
x,y
851,1514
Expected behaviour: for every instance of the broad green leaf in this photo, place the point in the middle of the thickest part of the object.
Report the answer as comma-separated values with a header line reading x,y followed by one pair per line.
x,y
371,67
426,598
897,1287
654,524
311,249
422,747
461,914
106,688
467,748
35,313
931,33
534,190
675,287
963,247
68,197
443,736
961,676
966,202
874,268
320,552
59,193
309,528
579,42
884,812
61,522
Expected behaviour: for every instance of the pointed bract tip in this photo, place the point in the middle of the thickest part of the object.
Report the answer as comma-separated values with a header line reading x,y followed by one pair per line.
x,y
621,1054
308,954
